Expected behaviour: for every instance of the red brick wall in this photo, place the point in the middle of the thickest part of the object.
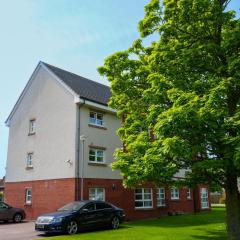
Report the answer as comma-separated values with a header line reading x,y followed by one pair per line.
x,y
47,195
124,198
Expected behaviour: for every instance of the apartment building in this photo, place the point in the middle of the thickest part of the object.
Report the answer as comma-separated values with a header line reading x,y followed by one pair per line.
x,y
62,136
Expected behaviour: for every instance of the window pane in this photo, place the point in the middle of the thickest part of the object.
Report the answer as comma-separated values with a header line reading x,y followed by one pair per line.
x,y
147,203
92,115
91,152
99,116
147,196
92,158
147,190
99,153
99,159
138,204
138,190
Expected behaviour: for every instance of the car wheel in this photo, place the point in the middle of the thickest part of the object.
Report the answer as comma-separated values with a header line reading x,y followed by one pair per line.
x,y
115,222
72,227
17,218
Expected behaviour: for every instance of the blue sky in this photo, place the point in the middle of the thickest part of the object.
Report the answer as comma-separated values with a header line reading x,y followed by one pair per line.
x,y
73,34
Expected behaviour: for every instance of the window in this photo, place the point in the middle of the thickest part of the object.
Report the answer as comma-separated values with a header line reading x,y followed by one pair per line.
x,y
3,206
96,118
32,126
97,194
90,207
161,197
204,198
174,193
96,155
189,194
100,206
143,198
28,196
30,160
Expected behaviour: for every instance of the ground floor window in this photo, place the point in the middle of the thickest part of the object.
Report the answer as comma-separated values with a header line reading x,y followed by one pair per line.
x,y
28,196
143,198
189,194
204,198
174,193
161,197
97,194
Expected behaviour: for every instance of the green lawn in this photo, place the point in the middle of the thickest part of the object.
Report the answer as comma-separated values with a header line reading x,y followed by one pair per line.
x,y
202,226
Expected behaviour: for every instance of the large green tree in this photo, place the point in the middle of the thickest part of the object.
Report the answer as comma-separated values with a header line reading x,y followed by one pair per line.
x,y
185,88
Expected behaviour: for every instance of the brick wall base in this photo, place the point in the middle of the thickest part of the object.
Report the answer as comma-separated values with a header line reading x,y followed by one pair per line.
x,y
48,195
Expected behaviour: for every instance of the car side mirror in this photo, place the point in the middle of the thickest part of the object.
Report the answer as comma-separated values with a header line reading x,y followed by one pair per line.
x,y
85,210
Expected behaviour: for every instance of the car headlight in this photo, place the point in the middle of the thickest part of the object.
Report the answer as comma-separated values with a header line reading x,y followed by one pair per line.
x,y
57,220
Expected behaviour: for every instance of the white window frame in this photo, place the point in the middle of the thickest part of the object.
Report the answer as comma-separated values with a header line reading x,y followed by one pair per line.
x,y
28,195
143,193
95,155
30,160
204,198
161,197
95,120
189,193
175,195
96,190
32,126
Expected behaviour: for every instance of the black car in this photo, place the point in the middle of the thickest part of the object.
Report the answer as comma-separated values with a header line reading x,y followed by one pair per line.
x,y
8,212
80,215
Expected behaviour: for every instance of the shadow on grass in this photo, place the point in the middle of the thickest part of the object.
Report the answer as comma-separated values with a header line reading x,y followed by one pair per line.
x,y
212,235
199,219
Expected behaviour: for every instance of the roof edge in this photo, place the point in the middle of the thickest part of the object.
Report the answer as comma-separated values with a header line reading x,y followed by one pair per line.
x,y
7,122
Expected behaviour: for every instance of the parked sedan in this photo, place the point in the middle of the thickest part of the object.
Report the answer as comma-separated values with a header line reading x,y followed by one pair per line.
x,y
8,212
82,214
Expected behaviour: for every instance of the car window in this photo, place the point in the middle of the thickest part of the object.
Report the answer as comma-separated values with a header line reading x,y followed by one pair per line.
x,y
74,206
90,207
3,206
102,206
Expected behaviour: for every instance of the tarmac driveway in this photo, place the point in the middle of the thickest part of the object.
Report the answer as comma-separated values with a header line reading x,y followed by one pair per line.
x,y
18,231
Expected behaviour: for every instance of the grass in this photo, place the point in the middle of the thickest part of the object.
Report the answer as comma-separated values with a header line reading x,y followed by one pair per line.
x,y
202,226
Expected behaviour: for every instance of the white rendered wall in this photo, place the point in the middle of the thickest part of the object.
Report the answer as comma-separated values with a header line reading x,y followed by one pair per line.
x,y
54,142
102,138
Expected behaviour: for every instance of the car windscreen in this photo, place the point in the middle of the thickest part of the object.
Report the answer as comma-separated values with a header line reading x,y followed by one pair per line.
x,y
74,206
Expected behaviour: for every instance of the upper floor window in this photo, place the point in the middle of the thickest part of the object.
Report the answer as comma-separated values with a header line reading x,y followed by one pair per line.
x,y
96,155
32,126
30,160
97,194
174,193
28,196
204,198
96,118
161,197
143,198
189,194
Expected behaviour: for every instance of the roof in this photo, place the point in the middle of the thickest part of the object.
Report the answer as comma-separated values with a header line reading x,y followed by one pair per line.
x,y
85,88
80,87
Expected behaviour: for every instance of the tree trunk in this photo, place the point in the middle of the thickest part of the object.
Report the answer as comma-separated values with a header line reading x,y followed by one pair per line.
x,y
232,207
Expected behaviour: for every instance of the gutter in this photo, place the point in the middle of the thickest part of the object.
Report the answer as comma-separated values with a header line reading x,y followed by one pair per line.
x,y
78,158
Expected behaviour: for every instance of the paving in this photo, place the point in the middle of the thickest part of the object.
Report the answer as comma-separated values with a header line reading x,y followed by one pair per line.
x,y
18,231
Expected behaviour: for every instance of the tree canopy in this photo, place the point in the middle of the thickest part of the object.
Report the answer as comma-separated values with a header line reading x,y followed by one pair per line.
x,y
179,97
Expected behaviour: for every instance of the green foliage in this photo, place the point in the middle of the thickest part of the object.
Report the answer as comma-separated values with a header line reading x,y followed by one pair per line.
x,y
185,88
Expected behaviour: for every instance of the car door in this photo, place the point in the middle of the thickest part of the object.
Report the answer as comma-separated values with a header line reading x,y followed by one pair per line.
x,y
103,213
88,215
4,211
